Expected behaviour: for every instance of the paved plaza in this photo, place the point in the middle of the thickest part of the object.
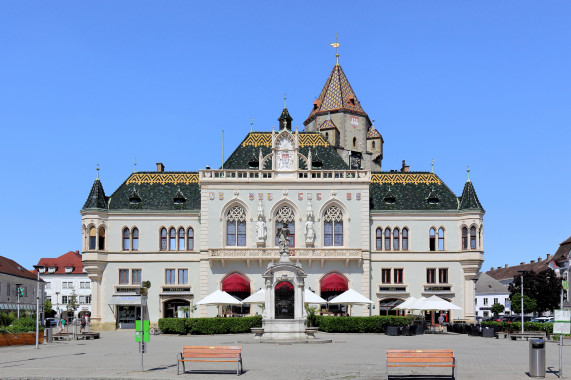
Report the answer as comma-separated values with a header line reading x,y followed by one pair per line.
x,y
349,356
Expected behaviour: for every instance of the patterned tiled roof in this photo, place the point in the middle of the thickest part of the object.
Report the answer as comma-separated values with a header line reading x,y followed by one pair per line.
x,y
373,133
395,191
337,94
328,124
250,147
157,191
69,259
11,267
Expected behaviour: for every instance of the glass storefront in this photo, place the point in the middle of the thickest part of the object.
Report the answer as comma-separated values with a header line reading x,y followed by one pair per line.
x,y
126,316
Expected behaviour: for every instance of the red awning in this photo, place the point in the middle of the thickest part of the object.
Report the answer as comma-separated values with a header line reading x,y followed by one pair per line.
x,y
284,284
334,282
236,283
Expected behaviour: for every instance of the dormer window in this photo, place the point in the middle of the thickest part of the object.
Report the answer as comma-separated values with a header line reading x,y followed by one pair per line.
x,y
42,269
390,199
134,198
52,269
433,200
69,269
253,164
179,198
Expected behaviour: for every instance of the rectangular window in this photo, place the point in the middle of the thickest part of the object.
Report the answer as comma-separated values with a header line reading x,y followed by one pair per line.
x,y
81,299
88,299
183,276
48,285
495,301
386,276
430,275
64,285
170,276
123,276
328,234
242,234
443,275
136,276
64,300
485,301
398,275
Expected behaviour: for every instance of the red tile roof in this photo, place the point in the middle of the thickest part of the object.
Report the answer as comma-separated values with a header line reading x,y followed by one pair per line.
x,y
11,267
70,259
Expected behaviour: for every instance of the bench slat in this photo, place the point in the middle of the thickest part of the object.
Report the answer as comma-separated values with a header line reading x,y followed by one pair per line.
x,y
420,360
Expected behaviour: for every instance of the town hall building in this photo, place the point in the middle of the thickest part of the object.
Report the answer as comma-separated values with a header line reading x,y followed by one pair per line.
x,y
388,235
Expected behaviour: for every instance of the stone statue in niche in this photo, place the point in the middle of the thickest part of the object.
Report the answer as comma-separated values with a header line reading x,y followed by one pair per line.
x,y
283,239
309,224
261,230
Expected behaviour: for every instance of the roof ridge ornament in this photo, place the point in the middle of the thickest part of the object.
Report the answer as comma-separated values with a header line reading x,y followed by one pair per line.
x,y
251,124
468,171
432,165
336,46
97,171
135,161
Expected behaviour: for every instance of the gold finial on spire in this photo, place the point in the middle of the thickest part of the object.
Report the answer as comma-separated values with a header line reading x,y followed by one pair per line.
x,y
433,165
468,171
336,46
97,171
251,123
135,165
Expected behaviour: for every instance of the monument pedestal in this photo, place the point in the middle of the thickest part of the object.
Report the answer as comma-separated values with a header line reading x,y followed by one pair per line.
x,y
284,329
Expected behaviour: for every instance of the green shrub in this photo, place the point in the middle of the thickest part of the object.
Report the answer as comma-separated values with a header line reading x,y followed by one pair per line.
x,y
207,326
21,325
374,324
516,326
6,319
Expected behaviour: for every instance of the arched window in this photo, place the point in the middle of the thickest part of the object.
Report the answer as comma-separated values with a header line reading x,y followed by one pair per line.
x,y
480,237
354,142
181,239
373,145
172,239
396,239
432,240
163,239
464,238
285,215
379,239
387,239
101,239
473,238
135,239
190,237
441,239
327,136
236,227
126,239
405,239
92,238
333,227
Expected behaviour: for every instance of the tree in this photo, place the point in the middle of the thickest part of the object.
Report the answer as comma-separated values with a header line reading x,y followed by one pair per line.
x,y
48,306
72,304
497,308
543,287
529,304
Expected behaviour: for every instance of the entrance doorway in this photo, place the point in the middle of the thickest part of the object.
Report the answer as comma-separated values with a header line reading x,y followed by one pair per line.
x,y
284,298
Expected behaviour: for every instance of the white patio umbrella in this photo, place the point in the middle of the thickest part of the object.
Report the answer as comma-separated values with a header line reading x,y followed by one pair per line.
x,y
219,298
258,297
351,297
310,297
406,304
433,304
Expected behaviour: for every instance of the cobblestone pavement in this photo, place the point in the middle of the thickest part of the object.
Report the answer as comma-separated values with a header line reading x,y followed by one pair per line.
x,y
349,356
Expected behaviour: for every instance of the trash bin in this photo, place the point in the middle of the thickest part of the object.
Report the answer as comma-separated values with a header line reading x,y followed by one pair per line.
x,y
537,357
49,334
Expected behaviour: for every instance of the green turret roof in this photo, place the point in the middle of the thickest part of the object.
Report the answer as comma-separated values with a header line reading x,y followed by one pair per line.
x,y
469,199
96,198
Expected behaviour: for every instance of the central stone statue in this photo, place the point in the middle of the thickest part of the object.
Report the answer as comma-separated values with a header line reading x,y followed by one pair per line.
x,y
283,239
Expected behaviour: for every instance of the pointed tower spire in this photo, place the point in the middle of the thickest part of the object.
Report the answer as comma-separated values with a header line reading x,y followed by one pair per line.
x,y
469,200
96,198
285,119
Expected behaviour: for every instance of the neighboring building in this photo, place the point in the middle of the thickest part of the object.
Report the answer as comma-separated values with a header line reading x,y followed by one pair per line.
x,y
506,274
489,292
12,277
388,235
63,276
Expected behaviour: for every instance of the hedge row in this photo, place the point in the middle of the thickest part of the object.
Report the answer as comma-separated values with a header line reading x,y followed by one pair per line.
x,y
516,326
374,324
203,326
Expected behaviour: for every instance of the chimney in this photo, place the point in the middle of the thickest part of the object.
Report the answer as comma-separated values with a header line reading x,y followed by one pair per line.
x,y
492,268
160,167
548,256
77,252
538,259
521,263
532,261
505,266
405,167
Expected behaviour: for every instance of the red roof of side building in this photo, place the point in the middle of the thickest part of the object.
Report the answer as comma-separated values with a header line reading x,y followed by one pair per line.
x,y
8,266
509,272
70,259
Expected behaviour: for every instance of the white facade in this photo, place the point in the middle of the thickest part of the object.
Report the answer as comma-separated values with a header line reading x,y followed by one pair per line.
x,y
60,287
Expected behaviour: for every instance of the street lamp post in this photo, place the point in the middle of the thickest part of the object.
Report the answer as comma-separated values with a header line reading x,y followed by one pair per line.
x,y
57,309
18,297
37,268
521,272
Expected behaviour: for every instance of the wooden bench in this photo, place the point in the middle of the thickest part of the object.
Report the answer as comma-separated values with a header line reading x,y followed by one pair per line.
x,y
210,354
528,334
421,358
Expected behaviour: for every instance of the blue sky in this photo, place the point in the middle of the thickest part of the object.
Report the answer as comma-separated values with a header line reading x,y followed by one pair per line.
x,y
485,84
